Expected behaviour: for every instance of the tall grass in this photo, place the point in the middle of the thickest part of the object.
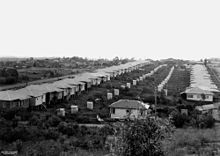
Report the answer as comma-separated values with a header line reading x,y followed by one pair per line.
x,y
189,141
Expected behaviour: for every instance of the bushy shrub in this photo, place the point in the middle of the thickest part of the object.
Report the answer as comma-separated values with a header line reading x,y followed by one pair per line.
x,y
53,121
179,120
205,121
10,114
140,137
194,119
68,128
106,130
149,99
34,120
51,133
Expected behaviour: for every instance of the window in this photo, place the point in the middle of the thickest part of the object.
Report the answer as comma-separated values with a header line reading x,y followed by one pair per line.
x,y
189,96
207,96
128,111
113,110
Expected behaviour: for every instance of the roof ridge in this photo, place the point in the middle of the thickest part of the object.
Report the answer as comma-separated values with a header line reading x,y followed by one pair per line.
x,y
8,95
30,91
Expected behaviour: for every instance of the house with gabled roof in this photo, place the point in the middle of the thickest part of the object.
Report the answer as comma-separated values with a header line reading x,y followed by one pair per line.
x,y
75,85
14,99
52,93
102,75
124,108
198,94
38,97
67,88
96,80
83,81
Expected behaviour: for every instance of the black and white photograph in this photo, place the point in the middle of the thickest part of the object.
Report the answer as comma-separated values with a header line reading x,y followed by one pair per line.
x,y
109,78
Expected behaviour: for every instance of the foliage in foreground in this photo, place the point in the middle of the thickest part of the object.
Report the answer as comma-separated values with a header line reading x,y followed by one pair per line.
x,y
141,137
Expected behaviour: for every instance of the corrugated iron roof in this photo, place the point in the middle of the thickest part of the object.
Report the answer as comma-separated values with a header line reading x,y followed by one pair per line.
x,y
197,90
199,77
72,82
129,104
62,84
51,87
30,92
12,95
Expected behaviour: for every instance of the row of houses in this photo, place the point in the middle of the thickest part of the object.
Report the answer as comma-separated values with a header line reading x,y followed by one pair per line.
x,y
161,85
125,108
201,86
65,89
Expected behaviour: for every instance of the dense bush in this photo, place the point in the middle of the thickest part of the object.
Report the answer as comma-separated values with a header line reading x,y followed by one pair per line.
x,y
179,120
205,121
46,127
8,76
140,137
53,121
194,119
10,114
68,128
51,133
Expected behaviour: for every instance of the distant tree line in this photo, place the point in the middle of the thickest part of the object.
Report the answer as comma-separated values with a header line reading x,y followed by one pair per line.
x,y
8,76
65,62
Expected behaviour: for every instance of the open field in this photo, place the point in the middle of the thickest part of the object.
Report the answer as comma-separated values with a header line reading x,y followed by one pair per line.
x,y
214,71
37,73
215,75
178,82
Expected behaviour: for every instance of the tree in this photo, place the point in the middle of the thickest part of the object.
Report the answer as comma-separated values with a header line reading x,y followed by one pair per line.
x,y
8,75
140,137
116,60
205,62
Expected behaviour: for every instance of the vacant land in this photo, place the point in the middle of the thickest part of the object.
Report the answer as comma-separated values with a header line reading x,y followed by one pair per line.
x,y
37,73
178,82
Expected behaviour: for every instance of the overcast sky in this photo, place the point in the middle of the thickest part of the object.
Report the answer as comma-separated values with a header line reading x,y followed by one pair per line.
x,y
187,29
